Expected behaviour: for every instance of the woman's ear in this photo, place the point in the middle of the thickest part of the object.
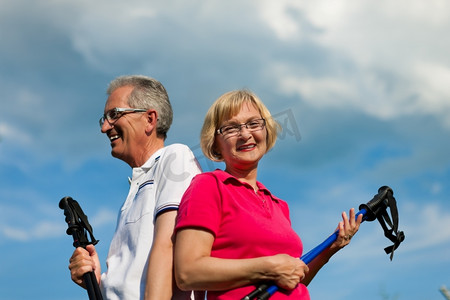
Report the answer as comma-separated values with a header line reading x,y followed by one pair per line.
x,y
216,151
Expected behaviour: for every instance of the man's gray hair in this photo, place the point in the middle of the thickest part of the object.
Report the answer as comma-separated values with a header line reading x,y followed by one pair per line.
x,y
148,93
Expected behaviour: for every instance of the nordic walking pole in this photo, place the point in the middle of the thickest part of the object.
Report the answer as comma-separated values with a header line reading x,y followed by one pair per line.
x,y
374,209
78,228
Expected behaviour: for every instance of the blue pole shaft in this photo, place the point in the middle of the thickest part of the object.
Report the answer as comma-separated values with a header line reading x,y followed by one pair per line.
x,y
311,255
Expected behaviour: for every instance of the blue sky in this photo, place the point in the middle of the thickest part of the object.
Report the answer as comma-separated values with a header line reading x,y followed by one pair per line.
x,y
360,87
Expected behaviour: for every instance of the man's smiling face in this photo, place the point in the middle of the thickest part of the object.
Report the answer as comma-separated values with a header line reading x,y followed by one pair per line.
x,y
127,131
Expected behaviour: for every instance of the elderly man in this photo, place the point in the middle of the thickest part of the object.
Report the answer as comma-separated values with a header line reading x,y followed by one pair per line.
x,y
136,119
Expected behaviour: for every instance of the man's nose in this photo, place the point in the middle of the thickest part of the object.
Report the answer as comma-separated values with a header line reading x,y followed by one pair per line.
x,y
106,126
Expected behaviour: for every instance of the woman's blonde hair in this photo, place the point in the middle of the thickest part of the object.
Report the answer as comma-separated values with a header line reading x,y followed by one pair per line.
x,y
224,108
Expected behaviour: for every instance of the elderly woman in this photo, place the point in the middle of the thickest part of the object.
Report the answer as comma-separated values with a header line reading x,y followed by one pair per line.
x,y
232,233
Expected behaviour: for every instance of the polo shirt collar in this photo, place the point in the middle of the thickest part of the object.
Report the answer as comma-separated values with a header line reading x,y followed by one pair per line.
x,y
148,165
152,160
225,176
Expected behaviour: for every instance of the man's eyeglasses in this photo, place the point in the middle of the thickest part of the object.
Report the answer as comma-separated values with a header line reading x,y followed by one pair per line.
x,y
233,130
114,114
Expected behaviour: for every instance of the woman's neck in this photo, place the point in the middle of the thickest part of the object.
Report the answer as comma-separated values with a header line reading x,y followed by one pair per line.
x,y
245,175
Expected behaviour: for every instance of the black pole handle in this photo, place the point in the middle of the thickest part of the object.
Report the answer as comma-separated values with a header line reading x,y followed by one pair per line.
x,y
77,227
374,209
378,203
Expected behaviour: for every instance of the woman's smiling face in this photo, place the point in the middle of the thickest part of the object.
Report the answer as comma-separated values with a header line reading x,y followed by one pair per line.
x,y
243,151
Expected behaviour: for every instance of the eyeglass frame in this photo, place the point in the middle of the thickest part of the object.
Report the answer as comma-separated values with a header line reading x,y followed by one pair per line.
x,y
239,127
121,110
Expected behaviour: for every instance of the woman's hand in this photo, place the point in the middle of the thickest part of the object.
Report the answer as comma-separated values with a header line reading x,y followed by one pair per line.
x,y
289,271
348,227
195,269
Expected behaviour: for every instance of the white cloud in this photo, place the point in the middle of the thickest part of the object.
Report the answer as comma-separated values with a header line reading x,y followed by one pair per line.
x,y
15,233
25,227
103,217
26,106
433,79
17,136
275,14
427,226
41,230
321,92
381,32
385,54
436,188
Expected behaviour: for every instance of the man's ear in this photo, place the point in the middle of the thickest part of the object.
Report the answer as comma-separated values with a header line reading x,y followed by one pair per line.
x,y
152,119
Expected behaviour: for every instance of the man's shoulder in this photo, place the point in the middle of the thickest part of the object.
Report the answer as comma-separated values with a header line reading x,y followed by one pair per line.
x,y
179,151
179,156
176,148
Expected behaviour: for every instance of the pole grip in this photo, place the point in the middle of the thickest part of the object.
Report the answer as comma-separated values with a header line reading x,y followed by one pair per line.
x,y
370,211
77,231
378,203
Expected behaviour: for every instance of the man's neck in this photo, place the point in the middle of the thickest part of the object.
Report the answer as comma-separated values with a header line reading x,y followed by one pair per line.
x,y
147,152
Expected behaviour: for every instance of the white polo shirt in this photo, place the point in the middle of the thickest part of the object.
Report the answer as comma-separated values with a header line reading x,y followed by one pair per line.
x,y
155,187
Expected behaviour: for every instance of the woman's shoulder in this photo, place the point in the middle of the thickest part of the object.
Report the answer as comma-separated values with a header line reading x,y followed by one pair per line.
x,y
209,176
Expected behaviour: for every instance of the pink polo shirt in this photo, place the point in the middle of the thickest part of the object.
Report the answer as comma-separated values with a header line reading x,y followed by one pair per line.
x,y
245,224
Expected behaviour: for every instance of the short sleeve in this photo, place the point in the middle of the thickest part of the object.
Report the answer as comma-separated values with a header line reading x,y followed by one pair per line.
x,y
201,204
176,168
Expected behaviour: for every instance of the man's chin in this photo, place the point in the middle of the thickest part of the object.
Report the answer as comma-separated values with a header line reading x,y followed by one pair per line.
x,y
116,154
